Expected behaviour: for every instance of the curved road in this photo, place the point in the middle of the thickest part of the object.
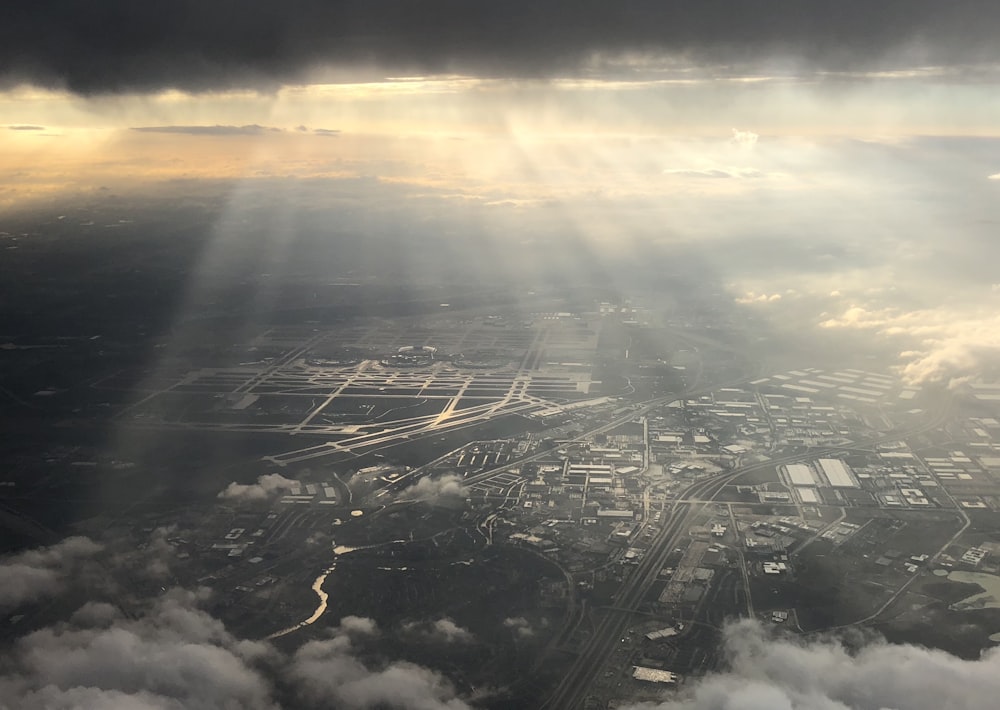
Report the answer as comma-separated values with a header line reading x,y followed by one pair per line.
x,y
572,691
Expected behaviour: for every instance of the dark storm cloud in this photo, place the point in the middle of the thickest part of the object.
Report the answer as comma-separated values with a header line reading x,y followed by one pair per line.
x,y
120,45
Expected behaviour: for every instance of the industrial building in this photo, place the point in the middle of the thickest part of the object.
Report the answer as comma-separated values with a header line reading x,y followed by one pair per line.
x,y
800,474
807,495
654,675
662,633
837,473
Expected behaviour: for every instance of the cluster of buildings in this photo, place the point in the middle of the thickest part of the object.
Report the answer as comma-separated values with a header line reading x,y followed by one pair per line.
x,y
321,493
816,482
850,385
974,556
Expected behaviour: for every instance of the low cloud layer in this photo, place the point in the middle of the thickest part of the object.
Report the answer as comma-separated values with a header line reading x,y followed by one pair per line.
x,y
37,574
716,173
519,626
173,655
327,673
168,653
427,487
268,485
947,347
774,673
752,297
217,130
443,630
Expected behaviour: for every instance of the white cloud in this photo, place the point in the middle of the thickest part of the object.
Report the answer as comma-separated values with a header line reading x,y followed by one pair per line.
x,y
745,139
427,487
443,630
40,573
787,673
174,656
327,673
949,346
519,625
358,626
752,297
951,362
400,685
266,486
857,317
716,172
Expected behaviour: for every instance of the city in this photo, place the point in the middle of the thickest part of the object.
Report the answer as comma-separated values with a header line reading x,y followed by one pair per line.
x,y
543,355
646,497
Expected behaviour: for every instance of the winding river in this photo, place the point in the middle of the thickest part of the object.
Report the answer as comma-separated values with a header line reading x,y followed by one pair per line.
x,y
317,586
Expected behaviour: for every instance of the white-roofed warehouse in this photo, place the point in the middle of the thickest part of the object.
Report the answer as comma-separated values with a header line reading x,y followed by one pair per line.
x,y
837,473
800,474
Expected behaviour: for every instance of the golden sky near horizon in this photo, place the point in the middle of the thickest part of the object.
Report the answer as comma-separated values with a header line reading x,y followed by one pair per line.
x,y
453,130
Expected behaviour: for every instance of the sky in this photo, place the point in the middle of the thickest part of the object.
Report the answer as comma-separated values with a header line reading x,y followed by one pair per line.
x,y
833,163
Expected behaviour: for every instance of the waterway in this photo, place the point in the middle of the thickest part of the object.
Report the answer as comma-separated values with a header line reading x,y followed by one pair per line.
x,y
987,599
317,587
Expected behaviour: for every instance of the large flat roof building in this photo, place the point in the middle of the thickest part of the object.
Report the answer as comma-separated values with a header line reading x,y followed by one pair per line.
x,y
800,474
653,675
612,513
807,495
837,473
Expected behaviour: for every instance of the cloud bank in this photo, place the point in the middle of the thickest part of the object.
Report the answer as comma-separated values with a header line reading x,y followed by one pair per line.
x,y
949,346
36,574
328,674
175,656
170,654
217,130
773,673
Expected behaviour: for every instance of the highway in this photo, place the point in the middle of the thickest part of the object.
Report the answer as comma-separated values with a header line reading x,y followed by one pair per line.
x,y
571,692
